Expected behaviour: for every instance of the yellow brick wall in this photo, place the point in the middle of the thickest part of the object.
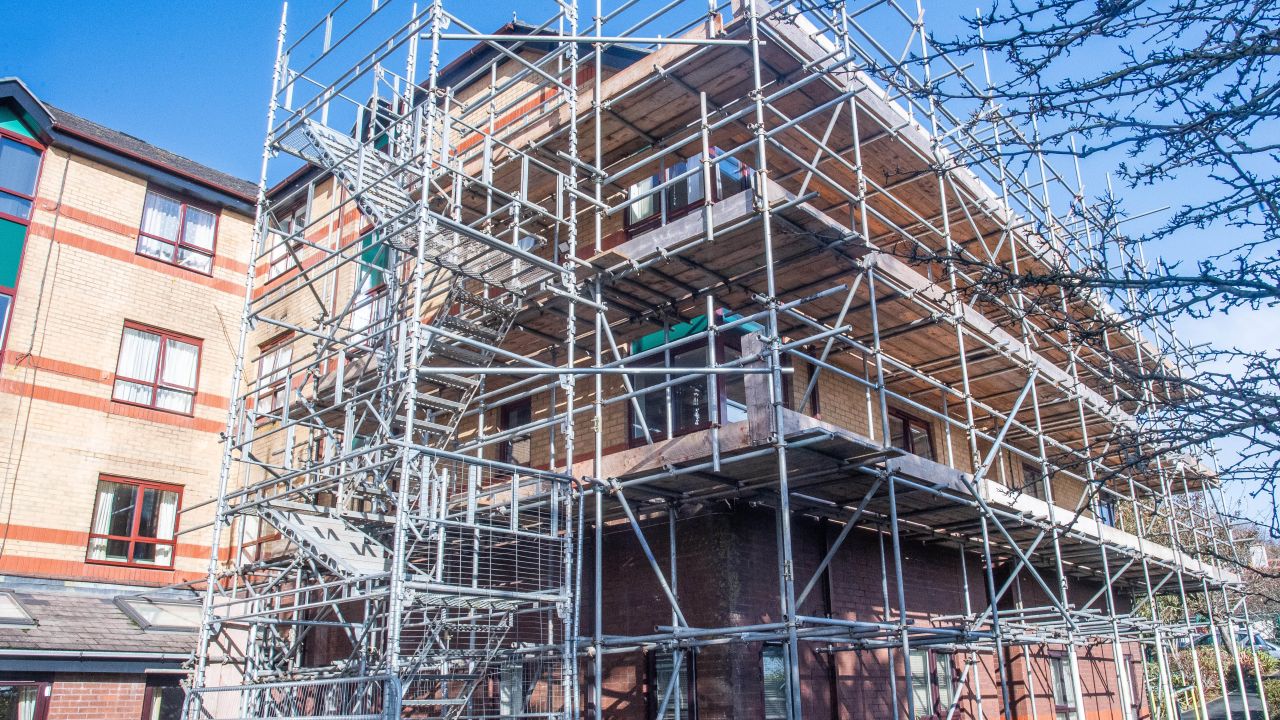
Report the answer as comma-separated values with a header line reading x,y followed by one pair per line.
x,y
81,280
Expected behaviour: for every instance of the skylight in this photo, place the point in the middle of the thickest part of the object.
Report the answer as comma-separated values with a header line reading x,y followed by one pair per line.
x,y
12,611
161,615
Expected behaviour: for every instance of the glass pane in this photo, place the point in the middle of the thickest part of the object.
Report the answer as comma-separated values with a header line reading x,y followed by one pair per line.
x,y
654,405
180,361
689,398
19,166
144,553
733,177
115,508
946,691
15,206
166,702
921,692
198,228
642,209
165,614
920,444
11,611
160,216
5,302
735,391
174,400
512,688
139,355
195,260
775,682
157,249
132,392
678,705
18,702
897,432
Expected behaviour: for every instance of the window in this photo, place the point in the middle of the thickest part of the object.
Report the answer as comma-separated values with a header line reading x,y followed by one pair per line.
x,y
910,433
161,614
773,666
516,450
512,689
157,369
178,233
273,374
19,169
1064,692
651,209
931,680
661,667
12,611
286,241
134,523
369,306
1106,511
685,407
23,700
1033,481
163,698
6,302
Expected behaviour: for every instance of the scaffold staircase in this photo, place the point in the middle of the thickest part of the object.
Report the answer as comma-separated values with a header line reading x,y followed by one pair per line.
x,y
450,636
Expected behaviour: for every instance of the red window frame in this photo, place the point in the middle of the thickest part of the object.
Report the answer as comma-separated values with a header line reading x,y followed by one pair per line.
x,y
39,171
908,421
178,244
157,683
133,538
157,384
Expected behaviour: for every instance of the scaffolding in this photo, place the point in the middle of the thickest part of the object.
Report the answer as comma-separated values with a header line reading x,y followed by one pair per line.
x,y
466,372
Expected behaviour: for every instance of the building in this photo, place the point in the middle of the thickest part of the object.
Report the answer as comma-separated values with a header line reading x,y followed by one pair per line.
x,y
632,364
122,274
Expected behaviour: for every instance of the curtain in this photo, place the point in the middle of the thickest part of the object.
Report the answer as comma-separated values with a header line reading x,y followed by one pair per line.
x,y
160,218
197,232
179,370
27,697
199,229
165,521
139,355
102,520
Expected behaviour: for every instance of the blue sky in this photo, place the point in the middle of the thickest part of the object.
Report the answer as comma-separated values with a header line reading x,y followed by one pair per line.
x,y
194,78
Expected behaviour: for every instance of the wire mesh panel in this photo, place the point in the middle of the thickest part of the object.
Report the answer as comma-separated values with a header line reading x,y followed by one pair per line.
x,y
360,698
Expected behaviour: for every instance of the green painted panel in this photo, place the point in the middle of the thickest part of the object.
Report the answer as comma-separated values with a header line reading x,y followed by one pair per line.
x,y
9,121
679,330
12,238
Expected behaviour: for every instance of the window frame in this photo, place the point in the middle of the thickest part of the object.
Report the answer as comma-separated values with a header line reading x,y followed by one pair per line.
x,y
154,682
766,648
1035,489
723,340
688,668
506,450
1061,660
907,421
156,384
29,621
39,173
281,383
291,245
666,214
933,658
43,689
1106,510
126,606
134,538
178,243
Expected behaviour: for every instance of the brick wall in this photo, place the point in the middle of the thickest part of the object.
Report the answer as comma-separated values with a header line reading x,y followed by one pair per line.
x,y
81,280
96,697
727,575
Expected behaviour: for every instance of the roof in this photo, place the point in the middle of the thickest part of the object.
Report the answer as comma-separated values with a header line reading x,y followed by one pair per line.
x,y
73,620
133,155
143,150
